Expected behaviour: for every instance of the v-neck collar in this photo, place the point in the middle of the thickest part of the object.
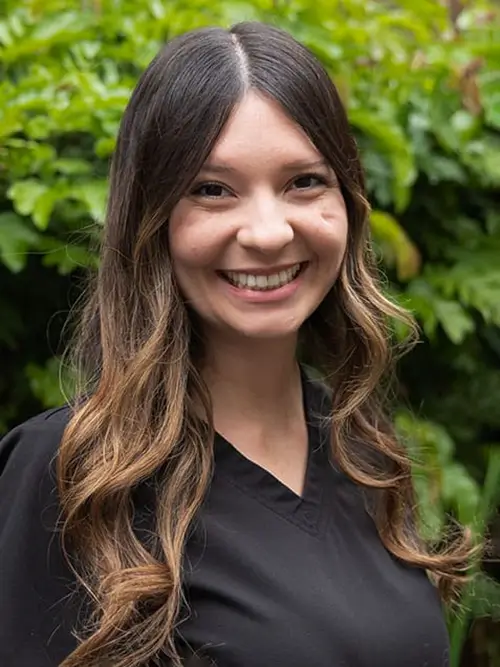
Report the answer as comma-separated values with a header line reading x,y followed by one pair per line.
x,y
257,482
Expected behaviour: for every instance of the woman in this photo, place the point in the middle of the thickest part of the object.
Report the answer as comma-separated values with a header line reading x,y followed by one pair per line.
x,y
204,496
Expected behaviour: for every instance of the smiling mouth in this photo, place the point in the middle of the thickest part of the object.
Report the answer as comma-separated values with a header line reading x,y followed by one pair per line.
x,y
263,283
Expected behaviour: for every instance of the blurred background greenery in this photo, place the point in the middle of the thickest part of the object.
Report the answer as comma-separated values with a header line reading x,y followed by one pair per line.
x,y
421,81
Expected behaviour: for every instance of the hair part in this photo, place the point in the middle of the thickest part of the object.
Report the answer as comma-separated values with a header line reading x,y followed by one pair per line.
x,y
136,347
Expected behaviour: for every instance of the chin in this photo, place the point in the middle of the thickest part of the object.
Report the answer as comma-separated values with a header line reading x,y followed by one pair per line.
x,y
268,334
268,331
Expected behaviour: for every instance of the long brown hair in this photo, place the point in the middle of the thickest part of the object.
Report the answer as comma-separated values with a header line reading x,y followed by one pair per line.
x,y
135,348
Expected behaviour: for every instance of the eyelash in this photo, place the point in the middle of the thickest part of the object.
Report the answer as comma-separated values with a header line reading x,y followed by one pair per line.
x,y
323,181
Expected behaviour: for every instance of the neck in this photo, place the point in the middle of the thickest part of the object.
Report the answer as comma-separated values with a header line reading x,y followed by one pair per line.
x,y
253,379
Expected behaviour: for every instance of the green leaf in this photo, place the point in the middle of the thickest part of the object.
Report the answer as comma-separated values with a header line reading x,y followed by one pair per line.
x,y
465,124
484,601
72,166
16,239
25,194
5,36
461,491
9,123
94,195
105,146
45,384
439,168
483,157
456,322
390,140
238,10
489,83
67,257
43,208
397,247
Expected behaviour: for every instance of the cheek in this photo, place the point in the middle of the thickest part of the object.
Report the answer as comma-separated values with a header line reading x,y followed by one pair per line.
x,y
188,251
193,243
190,255
328,230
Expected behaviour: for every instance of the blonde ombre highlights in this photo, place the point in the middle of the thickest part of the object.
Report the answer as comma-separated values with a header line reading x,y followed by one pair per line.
x,y
143,412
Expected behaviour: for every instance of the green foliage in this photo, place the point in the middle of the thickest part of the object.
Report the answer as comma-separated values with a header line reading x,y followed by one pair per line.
x,y
422,87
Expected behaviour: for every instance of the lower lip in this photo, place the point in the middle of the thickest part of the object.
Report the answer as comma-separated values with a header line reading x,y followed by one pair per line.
x,y
265,296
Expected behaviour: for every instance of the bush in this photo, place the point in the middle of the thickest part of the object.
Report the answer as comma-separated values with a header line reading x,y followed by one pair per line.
x,y
421,81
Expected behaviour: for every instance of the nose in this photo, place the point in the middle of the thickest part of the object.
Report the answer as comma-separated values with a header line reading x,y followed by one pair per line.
x,y
266,228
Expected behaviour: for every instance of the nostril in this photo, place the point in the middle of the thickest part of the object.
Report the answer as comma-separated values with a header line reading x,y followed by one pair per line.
x,y
269,237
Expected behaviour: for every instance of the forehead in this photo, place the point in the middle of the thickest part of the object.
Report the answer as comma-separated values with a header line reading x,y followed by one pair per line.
x,y
259,129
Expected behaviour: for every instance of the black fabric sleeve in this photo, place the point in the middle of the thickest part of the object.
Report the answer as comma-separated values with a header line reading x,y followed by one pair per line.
x,y
37,610
39,602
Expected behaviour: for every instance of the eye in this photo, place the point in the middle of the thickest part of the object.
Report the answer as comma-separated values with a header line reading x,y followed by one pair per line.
x,y
309,181
210,191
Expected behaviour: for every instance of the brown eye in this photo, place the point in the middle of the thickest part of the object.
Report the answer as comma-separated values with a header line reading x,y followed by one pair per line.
x,y
308,181
210,190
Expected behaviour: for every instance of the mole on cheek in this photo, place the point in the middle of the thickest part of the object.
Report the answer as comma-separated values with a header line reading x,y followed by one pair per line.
x,y
330,220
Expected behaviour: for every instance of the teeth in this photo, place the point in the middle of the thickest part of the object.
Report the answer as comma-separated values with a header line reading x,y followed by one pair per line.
x,y
257,282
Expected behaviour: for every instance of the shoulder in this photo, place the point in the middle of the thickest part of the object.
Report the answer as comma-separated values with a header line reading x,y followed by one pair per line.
x,y
28,450
29,499
36,608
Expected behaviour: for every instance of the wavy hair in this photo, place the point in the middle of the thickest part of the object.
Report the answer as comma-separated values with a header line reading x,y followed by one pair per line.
x,y
137,346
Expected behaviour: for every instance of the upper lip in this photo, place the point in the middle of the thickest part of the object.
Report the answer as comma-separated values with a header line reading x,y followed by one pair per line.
x,y
260,271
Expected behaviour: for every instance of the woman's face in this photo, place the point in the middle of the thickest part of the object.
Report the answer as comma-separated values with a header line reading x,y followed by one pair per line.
x,y
258,240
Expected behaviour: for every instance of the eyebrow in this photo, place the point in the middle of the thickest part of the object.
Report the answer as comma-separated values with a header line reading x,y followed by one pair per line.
x,y
298,165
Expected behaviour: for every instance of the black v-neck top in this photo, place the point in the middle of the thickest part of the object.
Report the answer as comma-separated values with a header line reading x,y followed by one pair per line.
x,y
271,579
